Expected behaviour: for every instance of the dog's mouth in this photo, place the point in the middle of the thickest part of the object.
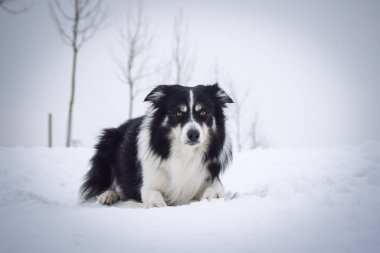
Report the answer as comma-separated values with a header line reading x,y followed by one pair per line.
x,y
192,143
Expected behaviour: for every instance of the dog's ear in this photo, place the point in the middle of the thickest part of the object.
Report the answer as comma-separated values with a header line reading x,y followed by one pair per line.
x,y
156,94
220,94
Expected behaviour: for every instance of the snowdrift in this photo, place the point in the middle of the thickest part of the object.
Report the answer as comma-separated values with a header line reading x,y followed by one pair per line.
x,y
284,200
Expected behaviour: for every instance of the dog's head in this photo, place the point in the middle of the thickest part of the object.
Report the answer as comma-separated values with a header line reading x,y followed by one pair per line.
x,y
189,113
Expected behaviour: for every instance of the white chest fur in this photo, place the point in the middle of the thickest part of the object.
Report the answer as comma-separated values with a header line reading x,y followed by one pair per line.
x,y
186,175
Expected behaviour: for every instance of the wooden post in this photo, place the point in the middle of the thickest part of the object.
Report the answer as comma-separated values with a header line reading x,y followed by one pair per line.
x,y
50,130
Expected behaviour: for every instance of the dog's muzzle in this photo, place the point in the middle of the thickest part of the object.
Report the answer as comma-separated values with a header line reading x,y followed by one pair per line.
x,y
193,136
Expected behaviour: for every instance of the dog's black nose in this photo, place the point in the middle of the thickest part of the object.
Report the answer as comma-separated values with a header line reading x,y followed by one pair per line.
x,y
193,135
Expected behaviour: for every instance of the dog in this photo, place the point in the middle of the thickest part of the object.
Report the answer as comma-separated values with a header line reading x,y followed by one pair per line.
x,y
172,155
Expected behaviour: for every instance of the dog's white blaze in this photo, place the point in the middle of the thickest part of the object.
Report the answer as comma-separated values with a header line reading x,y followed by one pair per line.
x,y
191,104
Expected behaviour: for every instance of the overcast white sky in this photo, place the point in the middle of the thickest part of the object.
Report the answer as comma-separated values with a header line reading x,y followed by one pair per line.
x,y
313,67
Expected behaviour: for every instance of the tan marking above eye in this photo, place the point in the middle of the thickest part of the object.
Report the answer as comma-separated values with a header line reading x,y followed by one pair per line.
x,y
183,108
198,107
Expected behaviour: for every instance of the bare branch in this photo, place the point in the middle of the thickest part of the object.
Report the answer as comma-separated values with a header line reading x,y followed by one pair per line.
x,y
81,5
89,31
67,39
183,61
135,40
62,11
85,14
85,21
5,7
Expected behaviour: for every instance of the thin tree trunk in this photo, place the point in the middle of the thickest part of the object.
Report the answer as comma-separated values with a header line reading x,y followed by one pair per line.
x,y
130,101
238,128
238,136
50,130
255,142
178,78
72,96
73,74
131,62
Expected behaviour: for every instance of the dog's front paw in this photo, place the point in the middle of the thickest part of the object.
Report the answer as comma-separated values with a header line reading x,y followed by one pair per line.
x,y
212,193
155,200
107,198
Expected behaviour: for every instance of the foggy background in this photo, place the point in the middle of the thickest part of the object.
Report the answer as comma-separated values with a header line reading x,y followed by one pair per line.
x,y
311,69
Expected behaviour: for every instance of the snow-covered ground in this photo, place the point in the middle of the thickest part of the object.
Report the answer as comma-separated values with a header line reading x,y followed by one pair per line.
x,y
289,200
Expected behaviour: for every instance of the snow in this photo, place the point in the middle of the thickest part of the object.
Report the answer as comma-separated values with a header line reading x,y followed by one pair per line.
x,y
287,200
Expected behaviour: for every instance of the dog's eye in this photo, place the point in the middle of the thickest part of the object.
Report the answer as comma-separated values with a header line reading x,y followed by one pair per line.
x,y
179,113
203,113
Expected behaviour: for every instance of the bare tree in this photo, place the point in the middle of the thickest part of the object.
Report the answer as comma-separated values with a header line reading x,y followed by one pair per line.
x,y
255,143
136,39
240,100
182,55
258,139
245,121
76,24
216,71
13,6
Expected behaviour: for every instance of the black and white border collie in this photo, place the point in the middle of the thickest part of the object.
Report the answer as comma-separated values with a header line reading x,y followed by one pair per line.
x,y
171,156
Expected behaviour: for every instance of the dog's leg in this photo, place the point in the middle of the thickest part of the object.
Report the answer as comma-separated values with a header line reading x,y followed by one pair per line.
x,y
214,191
107,198
154,180
152,198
